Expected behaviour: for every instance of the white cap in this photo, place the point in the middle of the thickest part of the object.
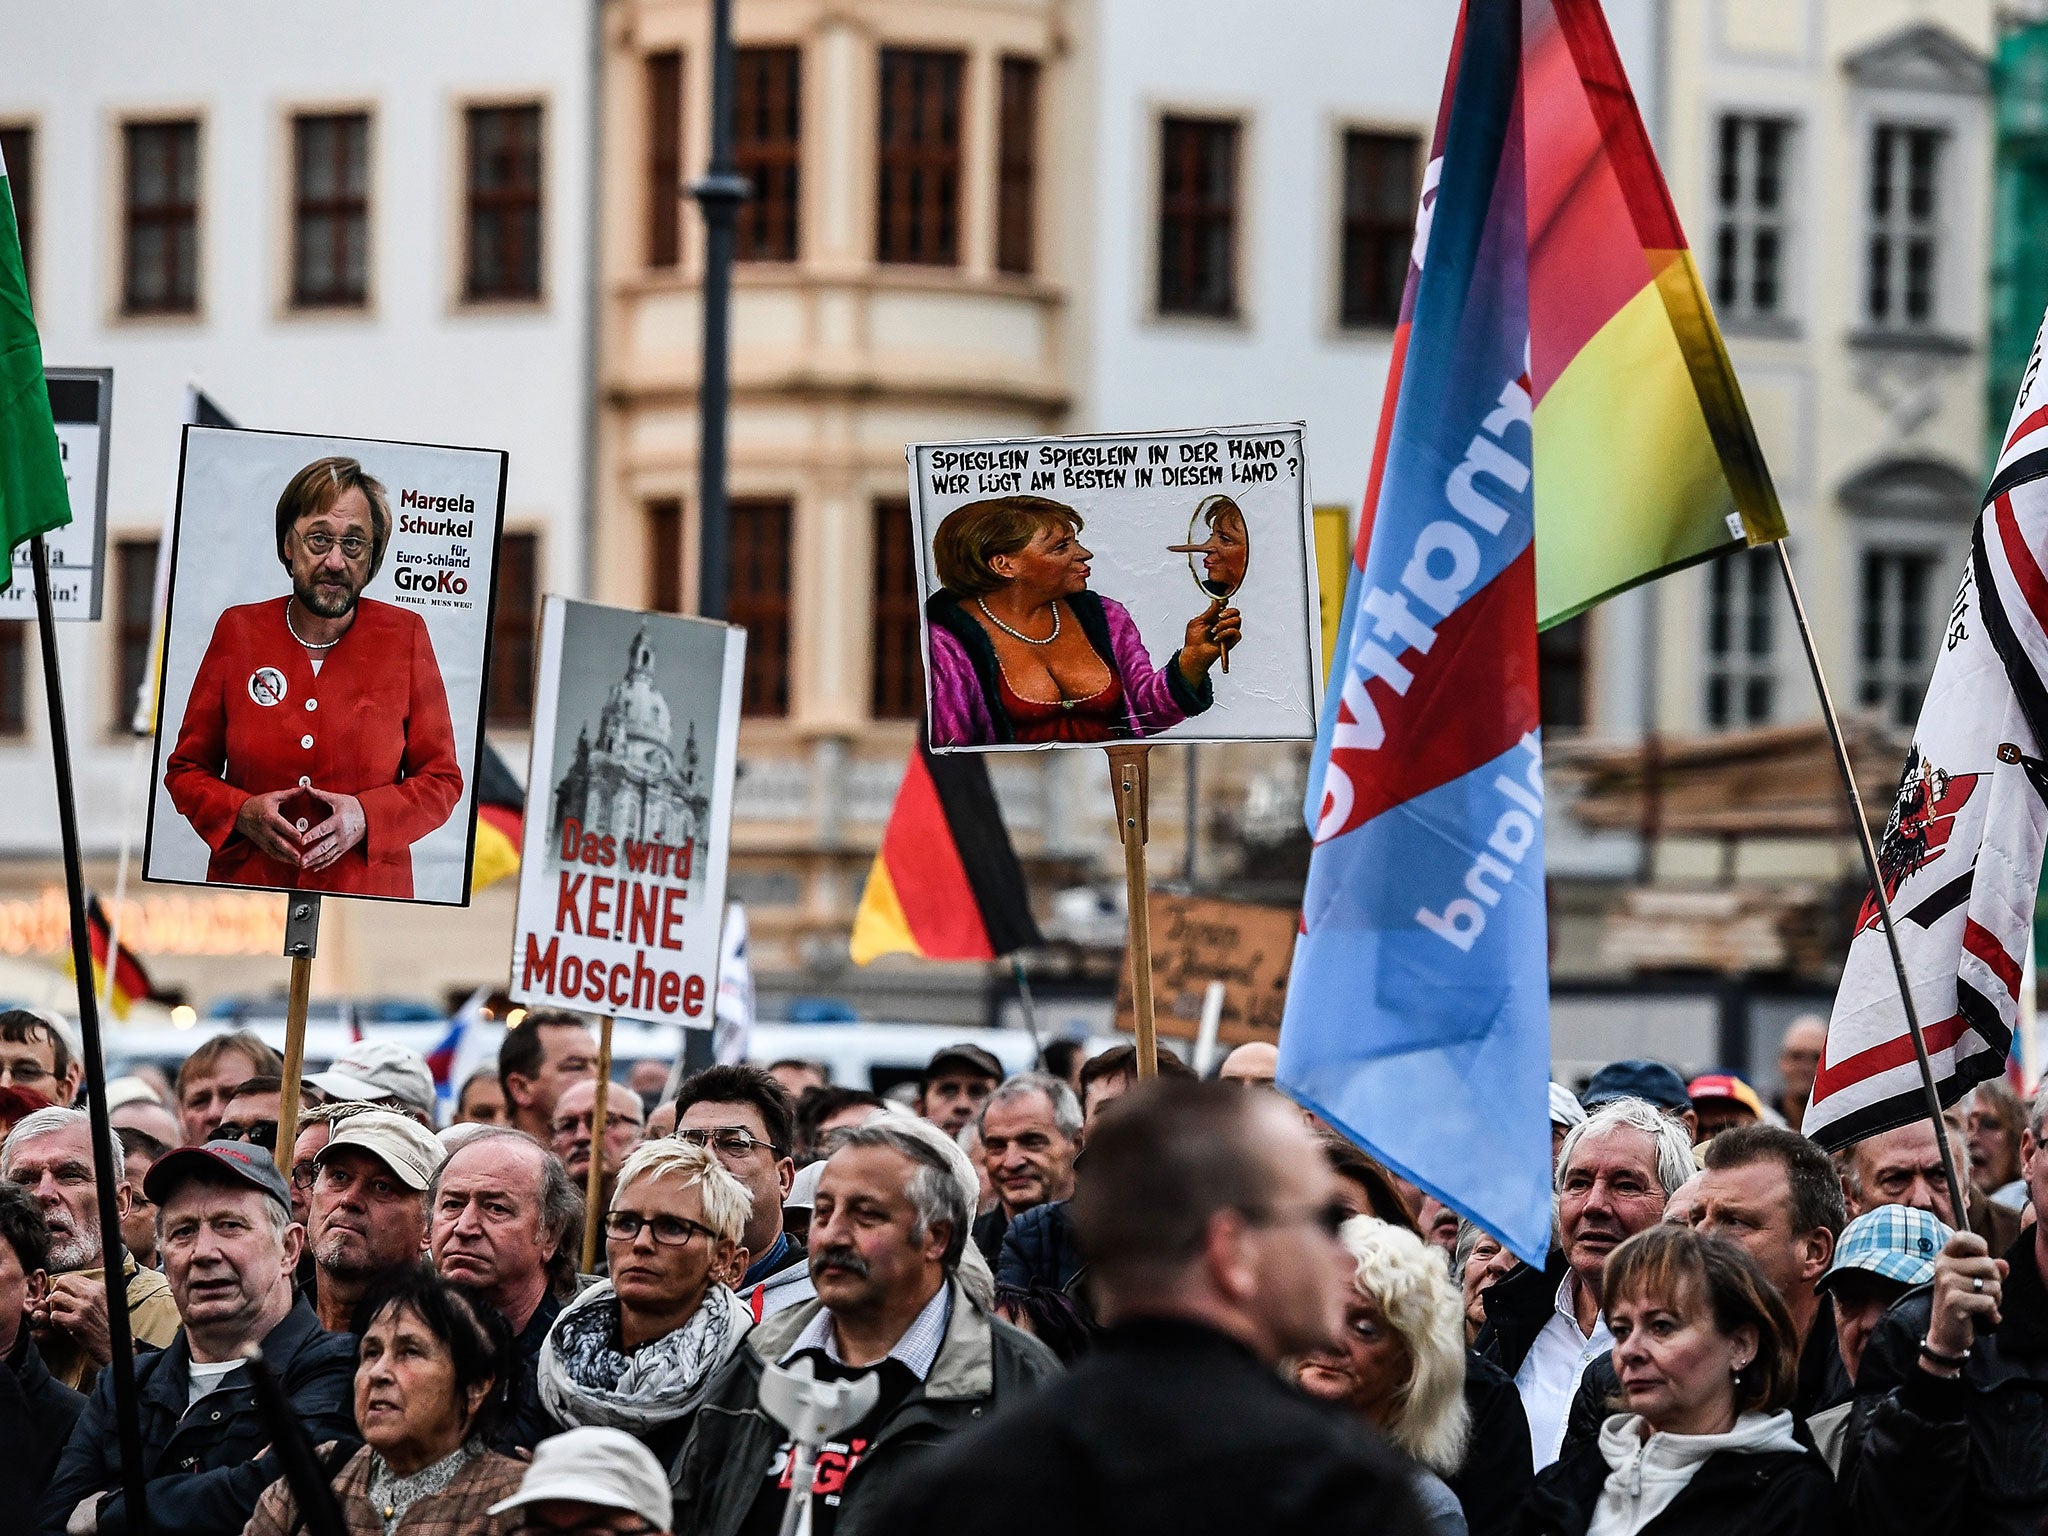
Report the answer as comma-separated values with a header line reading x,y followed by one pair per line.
x,y
379,1069
1565,1108
130,1090
803,1189
399,1142
607,1468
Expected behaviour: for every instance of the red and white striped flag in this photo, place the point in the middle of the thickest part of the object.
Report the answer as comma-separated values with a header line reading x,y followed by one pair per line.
x,y
1961,856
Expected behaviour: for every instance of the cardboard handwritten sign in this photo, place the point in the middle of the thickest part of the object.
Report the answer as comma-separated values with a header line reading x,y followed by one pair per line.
x,y
1196,940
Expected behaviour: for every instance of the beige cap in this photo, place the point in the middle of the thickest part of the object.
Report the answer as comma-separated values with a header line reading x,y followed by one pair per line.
x,y
607,1468
402,1144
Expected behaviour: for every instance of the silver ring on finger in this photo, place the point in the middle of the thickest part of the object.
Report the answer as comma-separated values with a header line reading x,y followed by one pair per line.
x,y
1977,1283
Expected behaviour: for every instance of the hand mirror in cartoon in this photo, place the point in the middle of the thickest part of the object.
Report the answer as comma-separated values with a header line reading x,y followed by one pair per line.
x,y
1225,550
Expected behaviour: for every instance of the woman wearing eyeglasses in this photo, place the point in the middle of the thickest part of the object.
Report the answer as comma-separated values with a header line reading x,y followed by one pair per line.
x,y
316,746
636,1351
431,1375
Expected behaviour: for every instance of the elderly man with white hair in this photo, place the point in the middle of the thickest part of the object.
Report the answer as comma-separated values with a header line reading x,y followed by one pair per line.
x,y
887,1234
50,1154
637,1350
1545,1326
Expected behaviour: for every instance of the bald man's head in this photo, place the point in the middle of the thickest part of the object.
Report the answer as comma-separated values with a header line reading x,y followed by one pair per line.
x,y
1253,1062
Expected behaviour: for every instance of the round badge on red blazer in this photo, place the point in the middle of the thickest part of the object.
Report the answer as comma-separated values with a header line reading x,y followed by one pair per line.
x,y
266,686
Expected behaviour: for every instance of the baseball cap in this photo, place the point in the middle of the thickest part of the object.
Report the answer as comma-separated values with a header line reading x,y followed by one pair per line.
x,y
1893,1242
130,1090
595,1465
1565,1109
971,1057
399,1142
1724,1085
379,1069
1648,1080
240,1160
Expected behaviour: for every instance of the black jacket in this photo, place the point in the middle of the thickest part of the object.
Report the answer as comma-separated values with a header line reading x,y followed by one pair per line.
x,y
527,1424
987,1235
1967,1457
1518,1304
1169,1428
37,1412
1040,1249
1498,1466
982,1364
207,1463
1734,1493
1823,1383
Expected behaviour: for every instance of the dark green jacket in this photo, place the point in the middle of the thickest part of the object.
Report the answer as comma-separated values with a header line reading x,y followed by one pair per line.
x,y
983,1364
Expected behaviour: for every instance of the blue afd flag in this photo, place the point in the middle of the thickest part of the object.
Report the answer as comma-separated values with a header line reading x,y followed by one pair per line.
x,y
1417,1014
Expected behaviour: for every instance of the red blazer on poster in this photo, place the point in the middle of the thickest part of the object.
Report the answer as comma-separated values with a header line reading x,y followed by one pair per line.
x,y
372,723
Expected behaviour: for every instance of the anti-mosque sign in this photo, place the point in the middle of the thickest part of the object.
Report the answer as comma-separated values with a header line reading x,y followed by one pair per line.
x,y
629,810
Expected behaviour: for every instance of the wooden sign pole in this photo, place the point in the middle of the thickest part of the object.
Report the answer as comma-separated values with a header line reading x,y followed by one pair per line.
x,y
301,940
1130,783
600,1109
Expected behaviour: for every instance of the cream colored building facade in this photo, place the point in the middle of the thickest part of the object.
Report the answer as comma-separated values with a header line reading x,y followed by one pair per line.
x,y
1830,160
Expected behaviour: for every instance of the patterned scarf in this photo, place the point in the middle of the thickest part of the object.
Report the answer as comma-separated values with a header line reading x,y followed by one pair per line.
x,y
586,1378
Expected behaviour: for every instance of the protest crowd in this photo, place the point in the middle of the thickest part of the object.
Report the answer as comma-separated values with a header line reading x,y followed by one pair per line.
x,y
1165,1306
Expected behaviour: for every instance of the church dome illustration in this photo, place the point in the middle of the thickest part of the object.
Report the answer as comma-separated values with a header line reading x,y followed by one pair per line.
x,y
631,782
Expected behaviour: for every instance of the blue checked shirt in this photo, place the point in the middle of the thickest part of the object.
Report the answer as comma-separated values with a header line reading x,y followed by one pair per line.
x,y
918,1349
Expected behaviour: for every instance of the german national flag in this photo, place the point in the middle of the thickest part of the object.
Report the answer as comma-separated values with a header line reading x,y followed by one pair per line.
x,y
945,883
500,814
130,979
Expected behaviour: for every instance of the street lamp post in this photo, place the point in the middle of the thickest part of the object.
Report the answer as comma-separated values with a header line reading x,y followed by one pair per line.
x,y
719,193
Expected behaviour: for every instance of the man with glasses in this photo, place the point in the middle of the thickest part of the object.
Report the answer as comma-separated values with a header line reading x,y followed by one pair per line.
x,y
50,1154
369,1207
745,1117
623,1116
1210,1216
36,1056
316,746
637,1351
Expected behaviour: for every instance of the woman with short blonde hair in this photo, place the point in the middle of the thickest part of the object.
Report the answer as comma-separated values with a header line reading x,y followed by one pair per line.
x,y
1400,1364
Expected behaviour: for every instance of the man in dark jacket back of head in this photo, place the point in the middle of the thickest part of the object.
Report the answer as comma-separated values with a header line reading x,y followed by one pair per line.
x,y
1209,1216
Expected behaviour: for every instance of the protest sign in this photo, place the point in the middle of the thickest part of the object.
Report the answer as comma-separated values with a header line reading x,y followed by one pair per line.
x,y
1197,940
1090,590
327,638
82,405
629,807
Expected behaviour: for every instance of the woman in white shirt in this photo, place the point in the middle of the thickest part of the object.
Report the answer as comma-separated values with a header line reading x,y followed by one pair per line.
x,y
1702,1442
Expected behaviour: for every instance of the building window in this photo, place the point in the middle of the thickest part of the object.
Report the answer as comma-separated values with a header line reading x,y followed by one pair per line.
x,y
767,138
331,209
1905,208
1741,638
1379,225
160,227
1561,675
918,201
1895,632
898,688
664,75
1197,217
759,599
134,625
1751,211
513,626
503,257
1017,167
18,154
665,555
13,678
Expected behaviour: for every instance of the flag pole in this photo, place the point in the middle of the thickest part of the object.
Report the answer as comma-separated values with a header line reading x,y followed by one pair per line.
x,y
121,1343
599,1109
1877,890
1130,783
301,942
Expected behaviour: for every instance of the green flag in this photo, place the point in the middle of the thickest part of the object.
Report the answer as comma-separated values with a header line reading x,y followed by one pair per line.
x,y
32,495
